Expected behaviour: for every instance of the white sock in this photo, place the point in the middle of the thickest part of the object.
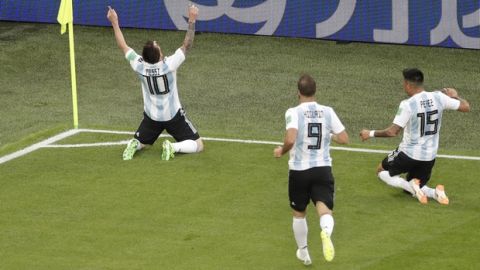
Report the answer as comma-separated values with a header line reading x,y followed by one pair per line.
x,y
139,145
395,181
428,191
327,223
187,146
300,231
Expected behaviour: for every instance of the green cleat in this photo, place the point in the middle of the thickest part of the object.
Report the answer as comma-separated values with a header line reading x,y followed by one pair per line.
x,y
168,151
131,149
328,249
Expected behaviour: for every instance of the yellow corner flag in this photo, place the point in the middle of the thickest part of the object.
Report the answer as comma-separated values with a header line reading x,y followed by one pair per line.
x,y
65,14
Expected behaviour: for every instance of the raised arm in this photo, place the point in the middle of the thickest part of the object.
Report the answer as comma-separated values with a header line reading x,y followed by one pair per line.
x,y
113,18
464,105
189,36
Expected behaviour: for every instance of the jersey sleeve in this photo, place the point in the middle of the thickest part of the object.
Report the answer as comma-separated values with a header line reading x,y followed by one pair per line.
x,y
337,125
174,61
134,59
403,115
448,102
291,119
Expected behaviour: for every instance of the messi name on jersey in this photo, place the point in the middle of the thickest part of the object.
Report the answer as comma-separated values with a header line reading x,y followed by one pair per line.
x,y
153,72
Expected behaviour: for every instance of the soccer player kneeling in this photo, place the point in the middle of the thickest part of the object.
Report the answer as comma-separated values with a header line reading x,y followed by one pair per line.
x,y
421,118
162,108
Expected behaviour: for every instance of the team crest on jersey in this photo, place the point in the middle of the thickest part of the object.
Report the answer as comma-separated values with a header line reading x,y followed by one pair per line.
x,y
289,119
399,111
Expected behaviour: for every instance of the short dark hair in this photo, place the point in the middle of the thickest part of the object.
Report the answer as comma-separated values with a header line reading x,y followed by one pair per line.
x,y
306,85
151,53
413,75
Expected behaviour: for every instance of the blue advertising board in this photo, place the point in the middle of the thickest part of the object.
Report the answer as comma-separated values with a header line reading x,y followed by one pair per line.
x,y
446,23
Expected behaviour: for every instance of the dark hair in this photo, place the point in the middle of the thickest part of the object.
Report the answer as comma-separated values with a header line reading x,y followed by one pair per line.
x,y
151,53
413,75
306,85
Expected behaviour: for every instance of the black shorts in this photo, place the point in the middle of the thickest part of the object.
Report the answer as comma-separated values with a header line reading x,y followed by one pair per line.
x,y
316,184
398,162
179,127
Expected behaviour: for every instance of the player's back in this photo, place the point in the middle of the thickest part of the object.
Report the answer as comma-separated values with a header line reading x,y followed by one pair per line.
x,y
314,124
159,84
421,133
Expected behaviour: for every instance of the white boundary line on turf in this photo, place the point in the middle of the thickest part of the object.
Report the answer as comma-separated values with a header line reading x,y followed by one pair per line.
x,y
39,145
362,150
86,144
49,143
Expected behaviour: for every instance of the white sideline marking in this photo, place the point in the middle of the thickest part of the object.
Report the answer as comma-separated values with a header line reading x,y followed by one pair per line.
x,y
361,150
240,141
86,144
39,145
48,143
341,148
105,131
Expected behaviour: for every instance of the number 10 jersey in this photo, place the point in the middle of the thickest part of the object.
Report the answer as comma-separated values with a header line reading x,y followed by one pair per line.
x,y
159,84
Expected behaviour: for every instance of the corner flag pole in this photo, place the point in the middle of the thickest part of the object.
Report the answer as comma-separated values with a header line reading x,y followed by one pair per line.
x,y
73,75
65,16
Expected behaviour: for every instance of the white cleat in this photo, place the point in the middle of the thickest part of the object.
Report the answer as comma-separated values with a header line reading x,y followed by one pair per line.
x,y
440,195
302,255
415,184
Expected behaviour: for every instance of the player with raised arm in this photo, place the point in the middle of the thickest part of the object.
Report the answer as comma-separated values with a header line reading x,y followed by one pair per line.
x,y
162,108
310,127
421,118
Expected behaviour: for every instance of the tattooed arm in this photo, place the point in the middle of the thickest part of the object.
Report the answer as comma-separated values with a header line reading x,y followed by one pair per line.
x,y
188,41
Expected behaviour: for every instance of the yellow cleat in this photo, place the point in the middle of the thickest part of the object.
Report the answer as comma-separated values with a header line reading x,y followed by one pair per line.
x,y
328,249
168,151
130,149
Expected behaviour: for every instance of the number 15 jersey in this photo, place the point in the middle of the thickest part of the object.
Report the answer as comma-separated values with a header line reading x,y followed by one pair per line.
x,y
421,118
314,124
159,84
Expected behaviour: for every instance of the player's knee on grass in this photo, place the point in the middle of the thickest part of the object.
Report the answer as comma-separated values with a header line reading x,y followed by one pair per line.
x,y
380,168
200,146
423,179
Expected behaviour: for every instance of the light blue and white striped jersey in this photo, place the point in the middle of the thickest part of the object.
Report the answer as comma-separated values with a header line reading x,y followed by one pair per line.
x,y
421,118
314,124
159,84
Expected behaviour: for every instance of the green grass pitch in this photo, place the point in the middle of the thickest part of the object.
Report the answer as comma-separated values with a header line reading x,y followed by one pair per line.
x,y
226,208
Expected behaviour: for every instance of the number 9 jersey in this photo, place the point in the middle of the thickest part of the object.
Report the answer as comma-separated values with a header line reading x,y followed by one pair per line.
x,y
314,124
421,118
159,84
